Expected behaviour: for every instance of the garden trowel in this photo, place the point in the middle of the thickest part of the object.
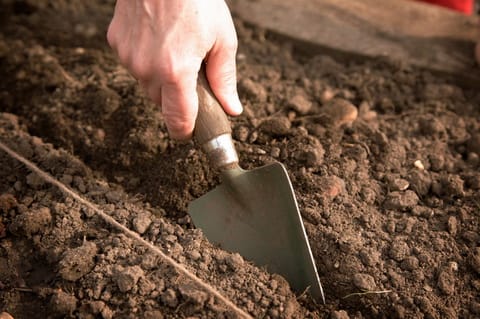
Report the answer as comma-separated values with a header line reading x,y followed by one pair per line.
x,y
255,212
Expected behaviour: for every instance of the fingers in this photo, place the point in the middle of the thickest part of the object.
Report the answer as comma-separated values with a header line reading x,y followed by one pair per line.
x,y
222,77
179,102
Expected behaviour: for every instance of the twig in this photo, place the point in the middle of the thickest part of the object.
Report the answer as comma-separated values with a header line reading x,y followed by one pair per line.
x,y
107,218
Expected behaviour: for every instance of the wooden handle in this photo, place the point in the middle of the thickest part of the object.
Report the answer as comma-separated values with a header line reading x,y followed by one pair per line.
x,y
211,119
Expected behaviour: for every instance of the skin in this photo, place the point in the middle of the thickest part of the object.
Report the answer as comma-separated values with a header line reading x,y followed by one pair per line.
x,y
163,44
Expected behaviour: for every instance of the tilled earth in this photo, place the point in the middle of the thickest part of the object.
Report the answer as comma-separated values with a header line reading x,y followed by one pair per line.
x,y
384,159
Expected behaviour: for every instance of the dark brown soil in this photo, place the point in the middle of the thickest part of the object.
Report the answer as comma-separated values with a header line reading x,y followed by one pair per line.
x,y
384,159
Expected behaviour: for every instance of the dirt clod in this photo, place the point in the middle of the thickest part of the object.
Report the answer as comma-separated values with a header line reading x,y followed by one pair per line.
x,y
77,262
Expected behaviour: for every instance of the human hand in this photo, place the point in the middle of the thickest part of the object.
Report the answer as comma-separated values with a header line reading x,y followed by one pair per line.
x,y
163,44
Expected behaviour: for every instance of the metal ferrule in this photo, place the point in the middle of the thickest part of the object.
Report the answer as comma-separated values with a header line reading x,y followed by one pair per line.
x,y
221,152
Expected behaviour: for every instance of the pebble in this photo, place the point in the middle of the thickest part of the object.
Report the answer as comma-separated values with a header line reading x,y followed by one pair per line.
x,y
141,223
398,184
276,126
419,164
401,200
364,282
452,225
300,104
339,112
275,152
128,277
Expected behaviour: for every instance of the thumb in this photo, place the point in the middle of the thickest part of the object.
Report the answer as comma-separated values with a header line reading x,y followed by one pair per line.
x,y
180,106
222,77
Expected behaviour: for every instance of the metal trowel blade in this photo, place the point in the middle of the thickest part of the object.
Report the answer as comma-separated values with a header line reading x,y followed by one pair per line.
x,y
255,213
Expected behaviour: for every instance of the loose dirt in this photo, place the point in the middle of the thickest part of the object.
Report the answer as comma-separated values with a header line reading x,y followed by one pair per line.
x,y
384,159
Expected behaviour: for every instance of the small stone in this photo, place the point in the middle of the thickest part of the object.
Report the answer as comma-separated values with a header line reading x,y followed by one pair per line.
x,y
275,152
418,164
364,282
128,277
401,200
338,112
399,184
299,103
327,94
194,255
276,126
452,225
141,223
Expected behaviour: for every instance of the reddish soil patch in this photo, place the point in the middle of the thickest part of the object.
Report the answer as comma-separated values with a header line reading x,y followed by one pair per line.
x,y
384,159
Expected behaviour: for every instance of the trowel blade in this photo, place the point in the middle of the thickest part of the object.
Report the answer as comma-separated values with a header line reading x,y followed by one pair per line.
x,y
255,213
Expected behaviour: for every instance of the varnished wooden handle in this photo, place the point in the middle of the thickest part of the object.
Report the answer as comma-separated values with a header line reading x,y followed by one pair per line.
x,y
211,119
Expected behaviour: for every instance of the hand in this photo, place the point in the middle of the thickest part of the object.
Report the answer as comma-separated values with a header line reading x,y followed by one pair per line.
x,y
163,43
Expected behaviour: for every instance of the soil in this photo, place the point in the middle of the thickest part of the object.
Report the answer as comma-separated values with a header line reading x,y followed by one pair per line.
x,y
384,159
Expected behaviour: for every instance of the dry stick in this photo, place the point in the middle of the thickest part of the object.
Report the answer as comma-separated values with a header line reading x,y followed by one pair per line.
x,y
49,178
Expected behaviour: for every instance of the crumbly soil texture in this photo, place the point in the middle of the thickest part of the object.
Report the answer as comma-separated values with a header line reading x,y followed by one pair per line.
x,y
383,157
